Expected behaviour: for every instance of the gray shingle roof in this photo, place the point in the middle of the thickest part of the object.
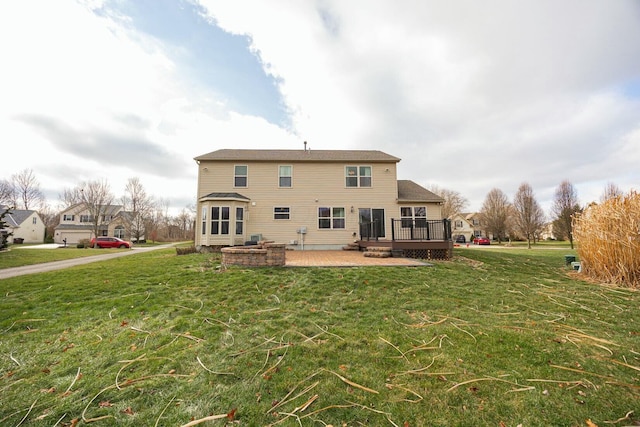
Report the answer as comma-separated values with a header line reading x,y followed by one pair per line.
x,y
371,156
409,191
16,216
225,196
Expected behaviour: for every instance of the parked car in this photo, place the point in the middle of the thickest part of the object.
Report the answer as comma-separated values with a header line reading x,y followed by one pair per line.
x,y
481,241
109,242
461,239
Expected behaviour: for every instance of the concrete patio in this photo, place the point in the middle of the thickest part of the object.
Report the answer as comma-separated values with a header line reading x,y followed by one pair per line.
x,y
340,258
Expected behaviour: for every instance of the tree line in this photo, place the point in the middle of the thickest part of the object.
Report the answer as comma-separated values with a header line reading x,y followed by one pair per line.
x,y
147,216
523,217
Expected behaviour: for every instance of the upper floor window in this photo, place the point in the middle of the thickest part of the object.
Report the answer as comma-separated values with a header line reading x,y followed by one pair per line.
x,y
476,221
34,220
86,218
106,218
241,173
358,176
331,218
67,217
458,223
285,176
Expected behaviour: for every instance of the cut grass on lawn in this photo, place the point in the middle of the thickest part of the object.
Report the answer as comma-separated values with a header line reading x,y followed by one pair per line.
x,y
495,337
30,256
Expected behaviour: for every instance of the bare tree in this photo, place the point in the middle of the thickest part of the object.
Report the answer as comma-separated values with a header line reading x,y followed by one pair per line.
x,y
529,216
565,206
139,205
157,226
495,213
71,196
96,196
27,190
454,202
611,191
184,220
51,219
7,195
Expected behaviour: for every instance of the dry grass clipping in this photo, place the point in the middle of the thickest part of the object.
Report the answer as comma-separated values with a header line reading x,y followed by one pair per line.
x,y
608,237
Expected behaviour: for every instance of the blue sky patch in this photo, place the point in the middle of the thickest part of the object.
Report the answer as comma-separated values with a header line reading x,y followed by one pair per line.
x,y
209,56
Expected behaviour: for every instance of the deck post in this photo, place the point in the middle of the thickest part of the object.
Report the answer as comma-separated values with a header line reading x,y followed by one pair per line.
x,y
393,230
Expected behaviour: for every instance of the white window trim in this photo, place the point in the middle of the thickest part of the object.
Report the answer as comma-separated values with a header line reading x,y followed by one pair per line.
x,y
358,176
285,176
220,220
246,177
331,217
288,213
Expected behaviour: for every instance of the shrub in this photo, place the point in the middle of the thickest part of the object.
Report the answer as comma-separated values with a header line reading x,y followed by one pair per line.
x,y
608,237
187,250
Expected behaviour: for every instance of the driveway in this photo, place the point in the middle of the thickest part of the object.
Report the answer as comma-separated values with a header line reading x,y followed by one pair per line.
x,y
59,265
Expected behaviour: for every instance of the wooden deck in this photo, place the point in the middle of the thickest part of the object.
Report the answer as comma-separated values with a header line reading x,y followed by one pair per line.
x,y
418,249
412,238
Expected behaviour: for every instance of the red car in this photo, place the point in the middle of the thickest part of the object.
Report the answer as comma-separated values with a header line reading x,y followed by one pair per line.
x,y
109,242
481,241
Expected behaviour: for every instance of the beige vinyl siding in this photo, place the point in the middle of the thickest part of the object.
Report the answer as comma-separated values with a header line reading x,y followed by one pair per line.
x,y
314,185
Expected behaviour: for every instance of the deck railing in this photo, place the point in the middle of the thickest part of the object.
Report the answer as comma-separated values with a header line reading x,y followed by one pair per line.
x,y
409,229
420,229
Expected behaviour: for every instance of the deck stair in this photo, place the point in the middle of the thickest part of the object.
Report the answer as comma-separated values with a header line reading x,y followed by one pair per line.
x,y
378,252
351,247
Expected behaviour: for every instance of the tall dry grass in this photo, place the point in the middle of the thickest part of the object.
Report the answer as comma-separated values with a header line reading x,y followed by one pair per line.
x,y
608,237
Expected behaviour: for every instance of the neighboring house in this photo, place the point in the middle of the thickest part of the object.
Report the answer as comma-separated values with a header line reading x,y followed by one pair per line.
x,y
307,199
475,219
469,225
547,232
76,224
461,226
26,225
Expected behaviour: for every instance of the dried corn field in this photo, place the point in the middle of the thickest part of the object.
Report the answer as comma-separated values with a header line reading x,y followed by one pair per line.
x,y
608,237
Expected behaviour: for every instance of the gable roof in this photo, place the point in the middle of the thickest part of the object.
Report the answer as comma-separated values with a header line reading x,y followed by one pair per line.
x,y
15,217
80,207
409,191
371,156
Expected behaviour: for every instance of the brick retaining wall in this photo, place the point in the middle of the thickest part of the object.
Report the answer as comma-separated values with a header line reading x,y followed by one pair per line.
x,y
264,254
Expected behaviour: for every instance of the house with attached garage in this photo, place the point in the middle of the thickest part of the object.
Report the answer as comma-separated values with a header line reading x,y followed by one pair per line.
x,y
76,224
315,199
25,225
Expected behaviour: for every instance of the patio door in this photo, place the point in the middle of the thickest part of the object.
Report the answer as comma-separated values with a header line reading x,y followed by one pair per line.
x,y
371,223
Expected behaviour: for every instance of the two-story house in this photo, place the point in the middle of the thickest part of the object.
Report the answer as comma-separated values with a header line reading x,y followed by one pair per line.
x,y
462,228
76,224
26,226
469,225
307,199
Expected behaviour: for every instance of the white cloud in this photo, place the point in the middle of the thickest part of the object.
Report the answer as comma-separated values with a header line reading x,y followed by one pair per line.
x,y
471,95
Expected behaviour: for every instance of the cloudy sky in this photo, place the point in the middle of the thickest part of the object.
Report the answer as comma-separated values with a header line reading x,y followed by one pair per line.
x,y
471,95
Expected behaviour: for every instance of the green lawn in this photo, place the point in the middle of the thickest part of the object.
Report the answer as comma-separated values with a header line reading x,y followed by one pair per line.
x,y
497,336
18,257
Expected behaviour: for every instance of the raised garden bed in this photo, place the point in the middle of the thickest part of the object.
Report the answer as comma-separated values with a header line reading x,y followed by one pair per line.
x,y
264,254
